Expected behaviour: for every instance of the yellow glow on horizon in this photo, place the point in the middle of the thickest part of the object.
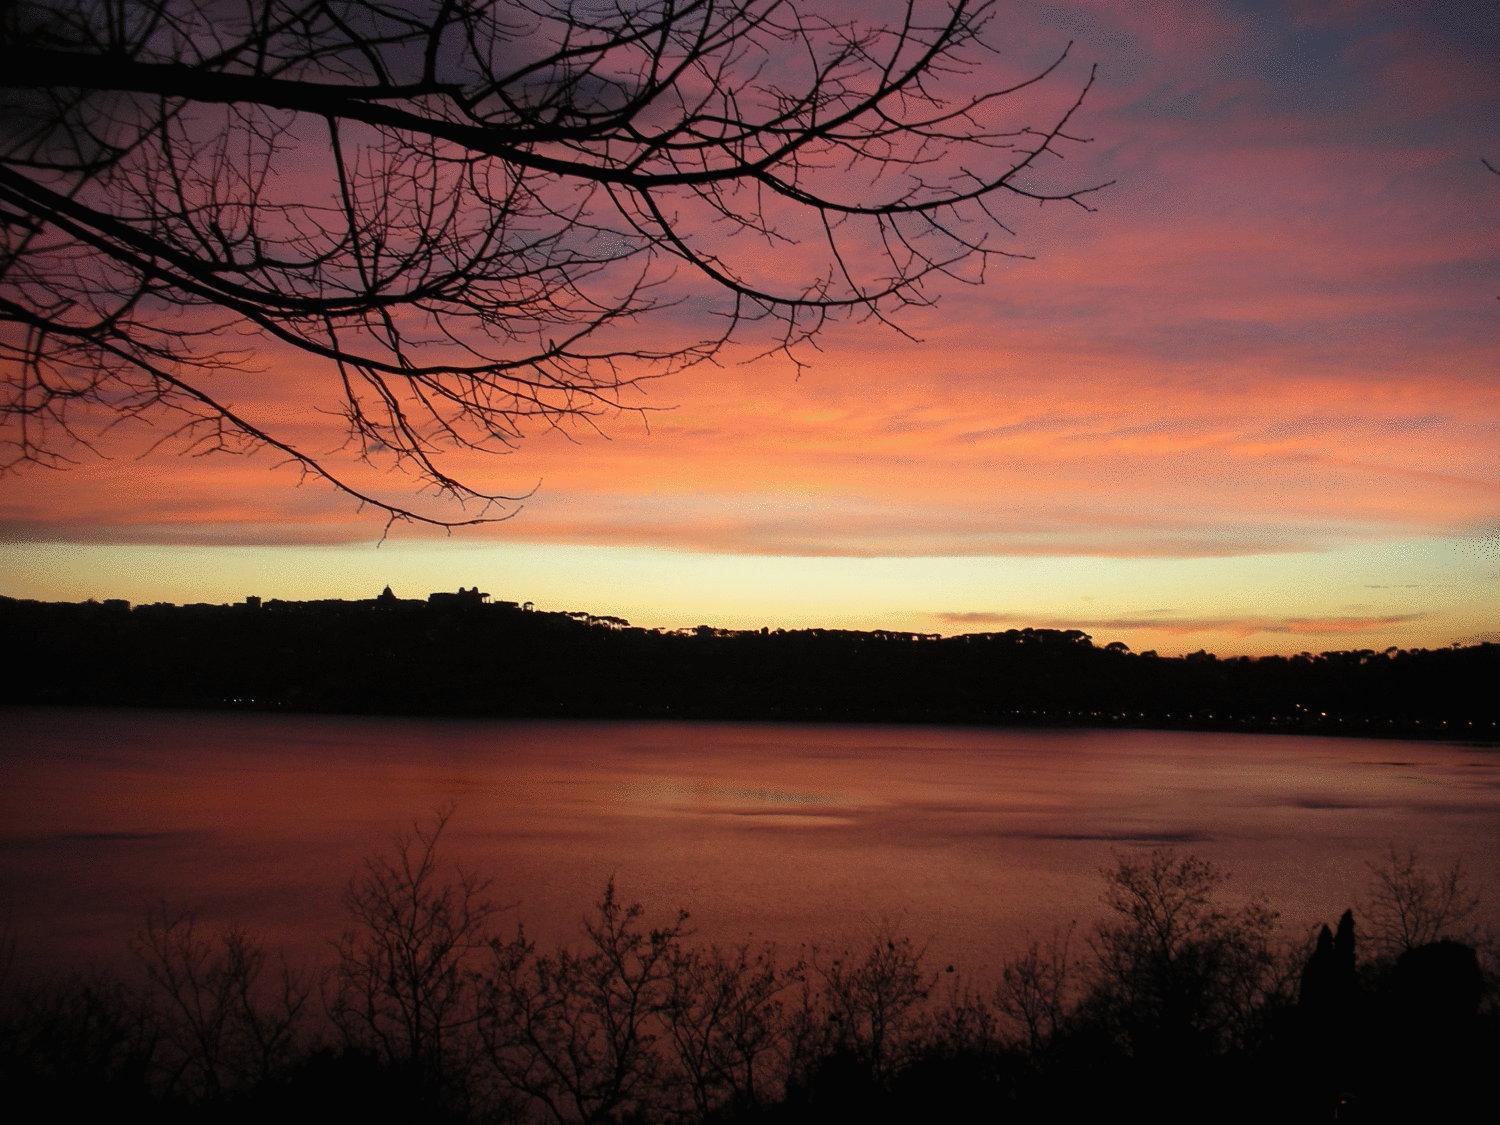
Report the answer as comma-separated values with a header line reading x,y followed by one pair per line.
x,y
1423,593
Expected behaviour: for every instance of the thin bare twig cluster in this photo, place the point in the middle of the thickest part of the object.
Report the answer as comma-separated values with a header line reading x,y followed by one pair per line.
x,y
474,216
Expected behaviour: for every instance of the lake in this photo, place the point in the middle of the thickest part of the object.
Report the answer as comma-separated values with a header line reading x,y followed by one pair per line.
x,y
966,839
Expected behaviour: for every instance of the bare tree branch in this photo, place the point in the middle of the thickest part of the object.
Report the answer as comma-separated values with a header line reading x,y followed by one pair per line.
x,y
476,216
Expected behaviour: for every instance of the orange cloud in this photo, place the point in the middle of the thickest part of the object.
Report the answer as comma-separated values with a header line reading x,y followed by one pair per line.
x,y
1183,625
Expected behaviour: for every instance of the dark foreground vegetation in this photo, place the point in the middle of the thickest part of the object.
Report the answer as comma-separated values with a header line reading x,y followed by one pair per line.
x,y
1178,1004
457,654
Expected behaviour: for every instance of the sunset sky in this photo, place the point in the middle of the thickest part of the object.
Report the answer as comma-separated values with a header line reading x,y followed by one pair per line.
x,y
1251,404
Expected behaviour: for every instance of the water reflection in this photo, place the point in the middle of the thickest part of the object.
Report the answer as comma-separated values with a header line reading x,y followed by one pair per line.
x,y
966,838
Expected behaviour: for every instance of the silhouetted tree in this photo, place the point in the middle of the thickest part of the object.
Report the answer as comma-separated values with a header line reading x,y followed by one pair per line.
x,y
1034,988
225,1021
403,985
725,1017
1177,973
577,1034
871,1004
79,1043
460,209
1410,906
1329,984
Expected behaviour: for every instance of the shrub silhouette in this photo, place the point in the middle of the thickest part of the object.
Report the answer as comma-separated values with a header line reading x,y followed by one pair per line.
x,y
1179,1007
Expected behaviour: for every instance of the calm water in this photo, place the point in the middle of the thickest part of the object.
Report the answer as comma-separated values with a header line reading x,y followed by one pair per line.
x,y
966,839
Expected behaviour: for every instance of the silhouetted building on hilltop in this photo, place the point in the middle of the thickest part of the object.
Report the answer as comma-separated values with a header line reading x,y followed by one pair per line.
x,y
463,598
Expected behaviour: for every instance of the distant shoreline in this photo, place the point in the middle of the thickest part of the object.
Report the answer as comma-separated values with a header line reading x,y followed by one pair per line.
x,y
461,656
1460,738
